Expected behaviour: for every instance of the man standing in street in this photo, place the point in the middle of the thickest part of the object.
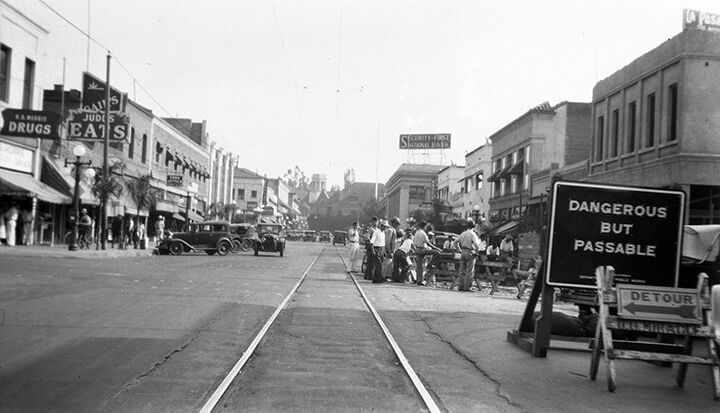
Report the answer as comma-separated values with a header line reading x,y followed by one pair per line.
x,y
423,247
353,237
470,246
506,246
378,243
369,250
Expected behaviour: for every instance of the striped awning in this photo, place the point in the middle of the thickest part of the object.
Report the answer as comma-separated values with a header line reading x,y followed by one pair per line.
x,y
20,184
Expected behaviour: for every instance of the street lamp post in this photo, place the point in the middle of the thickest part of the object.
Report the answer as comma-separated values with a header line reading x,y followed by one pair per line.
x,y
476,212
78,151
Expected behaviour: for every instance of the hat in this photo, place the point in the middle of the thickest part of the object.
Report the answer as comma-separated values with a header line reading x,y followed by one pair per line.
x,y
471,222
395,221
161,217
383,222
83,211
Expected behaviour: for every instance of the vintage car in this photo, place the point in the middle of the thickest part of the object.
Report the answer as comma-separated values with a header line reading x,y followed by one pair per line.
x,y
269,237
294,235
309,235
244,233
340,237
211,237
325,236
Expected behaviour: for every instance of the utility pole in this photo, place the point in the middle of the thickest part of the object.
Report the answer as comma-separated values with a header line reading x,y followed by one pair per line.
x,y
106,169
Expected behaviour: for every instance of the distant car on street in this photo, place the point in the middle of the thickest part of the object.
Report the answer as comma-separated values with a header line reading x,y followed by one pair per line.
x,y
269,237
326,236
212,237
309,235
244,233
340,237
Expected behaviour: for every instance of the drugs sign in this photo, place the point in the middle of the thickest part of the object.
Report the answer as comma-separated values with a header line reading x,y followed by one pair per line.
x,y
680,305
30,124
635,230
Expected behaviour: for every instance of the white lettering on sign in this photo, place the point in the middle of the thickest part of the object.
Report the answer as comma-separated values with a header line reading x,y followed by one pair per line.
x,y
657,303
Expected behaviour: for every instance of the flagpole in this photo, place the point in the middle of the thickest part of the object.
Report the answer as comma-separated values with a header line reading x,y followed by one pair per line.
x,y
103,224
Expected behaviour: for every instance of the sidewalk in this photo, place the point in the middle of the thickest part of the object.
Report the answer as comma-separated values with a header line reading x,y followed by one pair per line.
x,y
61,251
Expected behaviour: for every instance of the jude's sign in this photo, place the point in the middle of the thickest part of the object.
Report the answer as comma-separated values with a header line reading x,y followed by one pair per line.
x,y
635,230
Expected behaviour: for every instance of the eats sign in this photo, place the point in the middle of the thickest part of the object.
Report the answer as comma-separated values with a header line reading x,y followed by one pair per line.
x,y
636,230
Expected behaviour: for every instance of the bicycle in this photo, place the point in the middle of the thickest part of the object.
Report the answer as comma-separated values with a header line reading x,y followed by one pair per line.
x,y
83,241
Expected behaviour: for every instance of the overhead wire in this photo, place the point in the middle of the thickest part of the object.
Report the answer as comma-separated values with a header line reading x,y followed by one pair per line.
x,y
117,60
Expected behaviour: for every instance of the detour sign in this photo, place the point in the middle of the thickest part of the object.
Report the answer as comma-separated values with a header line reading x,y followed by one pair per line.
x,y
636,230
659,303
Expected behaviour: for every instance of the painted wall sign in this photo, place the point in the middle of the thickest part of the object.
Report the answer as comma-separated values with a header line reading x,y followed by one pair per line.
x,y
175,180
16,158
90,125
636,230
93,95
700,20
431,141
681,305
30,124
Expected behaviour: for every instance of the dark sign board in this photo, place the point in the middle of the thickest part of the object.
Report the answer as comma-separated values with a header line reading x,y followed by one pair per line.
x,y
700,20
432,141
90,125
93,95
175,180
635,230
30,124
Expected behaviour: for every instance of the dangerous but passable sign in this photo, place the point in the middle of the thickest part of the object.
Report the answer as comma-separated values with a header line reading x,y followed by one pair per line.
x,y
680,305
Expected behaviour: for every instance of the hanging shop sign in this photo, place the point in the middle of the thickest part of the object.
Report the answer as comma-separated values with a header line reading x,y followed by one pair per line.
x,y
94,99
636,230
174,180
432,141
16,158
90,125
24,123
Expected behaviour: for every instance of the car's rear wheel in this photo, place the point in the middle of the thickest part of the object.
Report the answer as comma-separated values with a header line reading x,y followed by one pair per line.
x,y
224,248
175,248
247,244
210,252
237,246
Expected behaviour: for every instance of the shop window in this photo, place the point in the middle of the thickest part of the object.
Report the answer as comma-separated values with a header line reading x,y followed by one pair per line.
x,y
28,84
632,126
650,118
672,112
615,133
417,193
5,58
599,137
478,181
253,194
241,194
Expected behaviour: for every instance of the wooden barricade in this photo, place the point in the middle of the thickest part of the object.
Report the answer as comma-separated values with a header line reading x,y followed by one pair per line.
x,y
673,311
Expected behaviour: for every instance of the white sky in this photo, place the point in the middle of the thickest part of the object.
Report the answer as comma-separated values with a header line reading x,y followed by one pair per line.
x,y
330,85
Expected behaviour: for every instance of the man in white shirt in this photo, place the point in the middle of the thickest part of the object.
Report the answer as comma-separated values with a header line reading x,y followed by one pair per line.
x,y
377,239
423,247
470,245
506,246
354,239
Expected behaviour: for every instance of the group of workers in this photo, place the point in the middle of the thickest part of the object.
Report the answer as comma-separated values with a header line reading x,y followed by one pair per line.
x,y
389,246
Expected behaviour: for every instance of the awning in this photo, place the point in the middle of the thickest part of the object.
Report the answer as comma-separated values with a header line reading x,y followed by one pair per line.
x,y
179,217
506,228
166,206
517,168
494,177
15,183
195,217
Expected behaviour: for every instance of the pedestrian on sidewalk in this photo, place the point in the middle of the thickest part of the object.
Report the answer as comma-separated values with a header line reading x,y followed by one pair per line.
x,y
369,250
423,248
11,217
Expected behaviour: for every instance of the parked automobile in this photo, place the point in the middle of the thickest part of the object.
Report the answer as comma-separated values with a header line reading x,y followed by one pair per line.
x,y
244,233
294,235
326,236
211,237
269,238
340,237
309,235
441,236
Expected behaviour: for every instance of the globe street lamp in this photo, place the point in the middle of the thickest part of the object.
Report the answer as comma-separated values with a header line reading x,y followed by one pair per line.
x,y
78,151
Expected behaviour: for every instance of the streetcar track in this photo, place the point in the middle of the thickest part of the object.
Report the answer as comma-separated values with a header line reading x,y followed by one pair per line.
x,y
235,371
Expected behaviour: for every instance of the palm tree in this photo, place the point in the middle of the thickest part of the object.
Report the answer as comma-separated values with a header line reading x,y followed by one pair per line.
x,y
144,195
103,188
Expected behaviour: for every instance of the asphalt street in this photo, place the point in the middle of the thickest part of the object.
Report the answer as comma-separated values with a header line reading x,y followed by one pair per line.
x,y
140,333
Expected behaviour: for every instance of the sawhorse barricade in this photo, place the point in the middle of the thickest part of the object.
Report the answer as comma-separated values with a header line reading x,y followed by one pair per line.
x,y
678,312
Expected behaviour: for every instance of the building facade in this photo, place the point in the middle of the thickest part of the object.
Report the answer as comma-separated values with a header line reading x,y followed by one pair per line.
x,y
449,190
655,123
475,188
408,187
544,136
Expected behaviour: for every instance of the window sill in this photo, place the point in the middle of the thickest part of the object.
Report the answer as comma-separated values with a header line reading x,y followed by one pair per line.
x,y
668,144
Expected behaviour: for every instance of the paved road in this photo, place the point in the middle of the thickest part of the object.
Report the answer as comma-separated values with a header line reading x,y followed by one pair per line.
x,y
158,334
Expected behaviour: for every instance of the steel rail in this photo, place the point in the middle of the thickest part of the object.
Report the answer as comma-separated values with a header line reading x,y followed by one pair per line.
x,y
419,386
222,388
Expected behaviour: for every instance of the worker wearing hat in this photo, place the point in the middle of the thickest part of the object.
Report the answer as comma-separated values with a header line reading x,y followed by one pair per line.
x,y
470,246
159,228
377,239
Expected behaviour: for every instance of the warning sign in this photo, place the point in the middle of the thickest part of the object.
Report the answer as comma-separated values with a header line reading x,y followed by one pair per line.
x,y
680,305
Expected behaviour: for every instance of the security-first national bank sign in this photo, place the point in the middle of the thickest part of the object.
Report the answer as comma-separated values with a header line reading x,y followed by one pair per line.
x,y
636,230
